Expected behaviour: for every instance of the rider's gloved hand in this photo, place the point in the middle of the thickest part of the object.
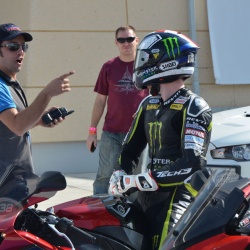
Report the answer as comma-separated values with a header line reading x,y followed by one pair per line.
x,y
115,177
131,183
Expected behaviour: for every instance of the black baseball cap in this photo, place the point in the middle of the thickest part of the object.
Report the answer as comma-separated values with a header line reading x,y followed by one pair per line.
x,y
8,31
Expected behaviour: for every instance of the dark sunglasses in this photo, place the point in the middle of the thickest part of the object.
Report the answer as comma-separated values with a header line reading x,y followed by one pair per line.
x,y
127,39
16,46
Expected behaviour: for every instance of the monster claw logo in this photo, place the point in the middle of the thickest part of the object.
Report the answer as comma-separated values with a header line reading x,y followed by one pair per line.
x,y
155,240
171,43
154,132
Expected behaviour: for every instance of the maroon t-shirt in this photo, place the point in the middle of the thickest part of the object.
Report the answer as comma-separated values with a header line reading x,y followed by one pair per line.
x,y
115,81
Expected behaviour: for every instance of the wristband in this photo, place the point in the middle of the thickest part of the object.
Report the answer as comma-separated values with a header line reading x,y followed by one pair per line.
x,y
92,131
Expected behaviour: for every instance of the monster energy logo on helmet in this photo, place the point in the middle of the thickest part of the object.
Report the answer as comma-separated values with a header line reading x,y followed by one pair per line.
x,y
171,43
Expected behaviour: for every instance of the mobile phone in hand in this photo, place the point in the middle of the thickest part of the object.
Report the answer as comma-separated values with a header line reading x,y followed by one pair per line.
x,y
92,148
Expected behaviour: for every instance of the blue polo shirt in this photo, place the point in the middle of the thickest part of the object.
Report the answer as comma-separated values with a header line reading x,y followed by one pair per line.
x,y
6,101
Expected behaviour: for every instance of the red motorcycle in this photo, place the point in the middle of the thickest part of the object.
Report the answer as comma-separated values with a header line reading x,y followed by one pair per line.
x,y
216,219
25,227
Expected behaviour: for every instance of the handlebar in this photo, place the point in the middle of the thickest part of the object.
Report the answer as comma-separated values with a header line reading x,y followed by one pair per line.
x,y
67,227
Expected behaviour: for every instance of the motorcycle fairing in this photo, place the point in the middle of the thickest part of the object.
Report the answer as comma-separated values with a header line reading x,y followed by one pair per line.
x,y
212,211
88,212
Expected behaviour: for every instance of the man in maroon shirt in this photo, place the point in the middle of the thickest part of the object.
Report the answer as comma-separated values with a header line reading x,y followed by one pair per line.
x,y
115,88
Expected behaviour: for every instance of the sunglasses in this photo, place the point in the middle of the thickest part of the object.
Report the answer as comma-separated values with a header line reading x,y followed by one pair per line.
x,y
127,39
16,46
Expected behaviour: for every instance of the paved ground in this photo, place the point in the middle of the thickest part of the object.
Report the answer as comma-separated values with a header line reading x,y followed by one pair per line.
x,y
78,185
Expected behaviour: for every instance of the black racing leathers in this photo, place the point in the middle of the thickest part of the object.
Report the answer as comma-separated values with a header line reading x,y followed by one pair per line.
x,y
177,132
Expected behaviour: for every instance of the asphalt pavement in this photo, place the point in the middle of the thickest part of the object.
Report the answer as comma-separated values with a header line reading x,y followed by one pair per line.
x,y
78,185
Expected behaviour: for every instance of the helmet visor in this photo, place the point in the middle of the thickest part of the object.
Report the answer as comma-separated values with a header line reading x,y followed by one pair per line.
x,y
142,57
147,58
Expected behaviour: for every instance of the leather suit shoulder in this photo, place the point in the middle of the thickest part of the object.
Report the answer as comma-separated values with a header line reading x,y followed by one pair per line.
x,y
197,105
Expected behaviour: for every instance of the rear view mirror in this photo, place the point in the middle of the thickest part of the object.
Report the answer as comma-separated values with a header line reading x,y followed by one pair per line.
x,y
51,181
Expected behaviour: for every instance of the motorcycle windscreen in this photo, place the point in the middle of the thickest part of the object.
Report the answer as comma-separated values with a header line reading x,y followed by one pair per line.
x,y
215,205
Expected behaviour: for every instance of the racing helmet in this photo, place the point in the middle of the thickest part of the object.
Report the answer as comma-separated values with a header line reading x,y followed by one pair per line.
x,y
163,56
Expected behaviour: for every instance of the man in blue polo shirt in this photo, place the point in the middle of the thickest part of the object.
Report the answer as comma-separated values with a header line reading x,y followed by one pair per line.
x,y
16,116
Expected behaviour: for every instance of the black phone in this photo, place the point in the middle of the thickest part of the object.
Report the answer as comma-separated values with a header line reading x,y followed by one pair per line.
x,y
93,148
55,114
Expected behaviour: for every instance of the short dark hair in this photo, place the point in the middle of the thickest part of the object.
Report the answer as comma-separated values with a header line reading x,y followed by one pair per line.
x,y
123,28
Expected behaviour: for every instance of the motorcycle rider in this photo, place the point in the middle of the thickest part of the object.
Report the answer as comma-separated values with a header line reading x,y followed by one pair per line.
x,y
176,124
